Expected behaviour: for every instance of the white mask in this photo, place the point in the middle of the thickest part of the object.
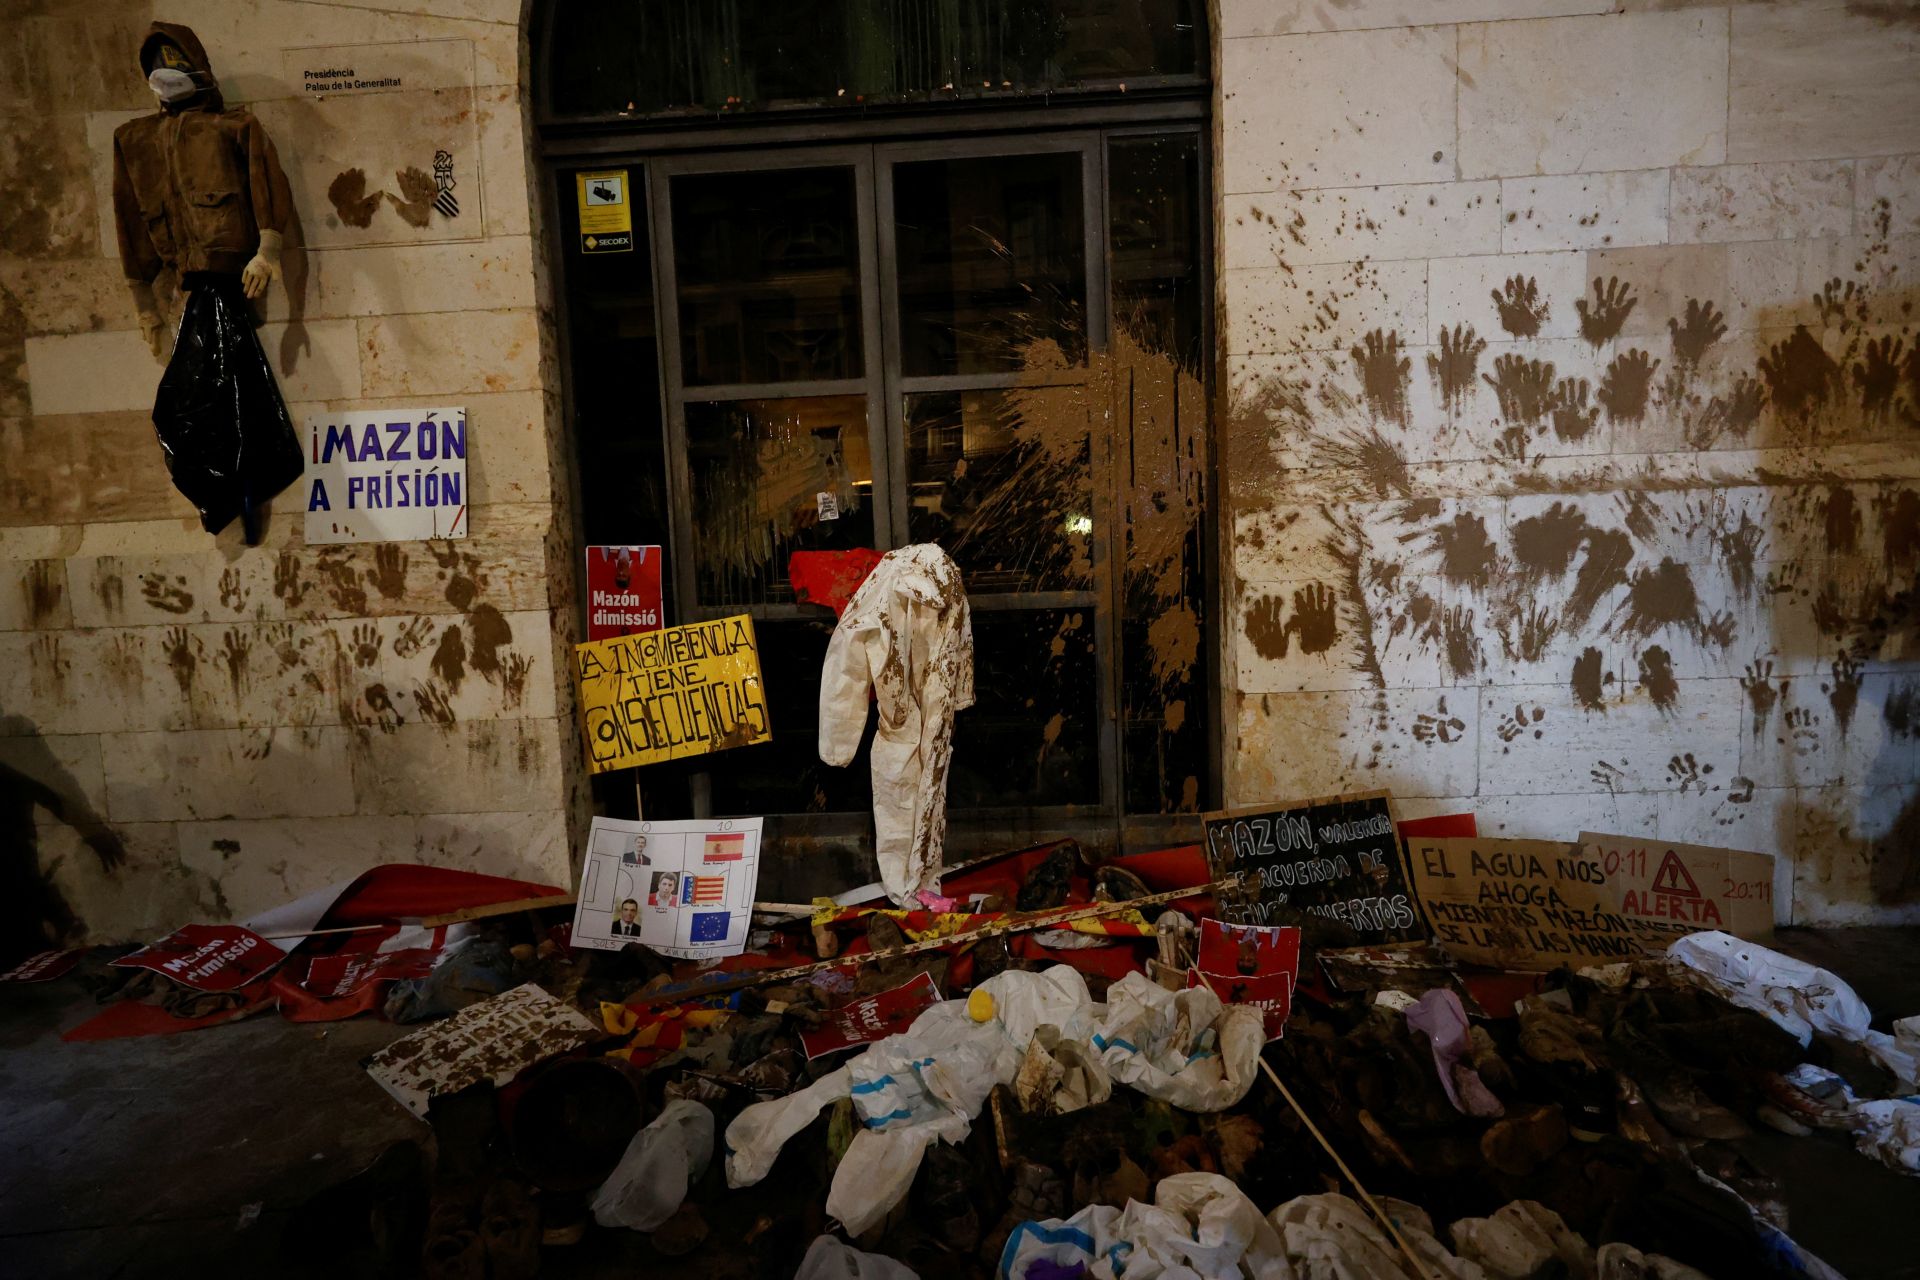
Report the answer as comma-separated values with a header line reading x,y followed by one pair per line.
x,y
170,85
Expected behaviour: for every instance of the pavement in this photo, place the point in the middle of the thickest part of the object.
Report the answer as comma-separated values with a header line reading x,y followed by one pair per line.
x,y
194,1153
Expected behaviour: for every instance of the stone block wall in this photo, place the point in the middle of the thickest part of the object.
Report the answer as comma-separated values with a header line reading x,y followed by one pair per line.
x,y
233,726
1572,440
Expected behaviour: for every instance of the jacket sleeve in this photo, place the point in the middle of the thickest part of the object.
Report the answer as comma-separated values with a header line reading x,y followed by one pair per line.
x,y
845,678
266,183
138,258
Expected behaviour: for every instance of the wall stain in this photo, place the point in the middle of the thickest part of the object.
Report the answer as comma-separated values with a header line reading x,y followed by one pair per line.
x,y
389,572
1454,366
350,199
1901,711
1383,374
1800,376
1842,521
433,704
1522,309
1602,319
167,594
235,645
1658,598
1656,677
1590,679
1762,693
1524,387
1573,418
1468,557
341,579
1623,390
288,583
46,587
449,660
1544,545
491,633
1900,527
1843,694
181,659
1702,327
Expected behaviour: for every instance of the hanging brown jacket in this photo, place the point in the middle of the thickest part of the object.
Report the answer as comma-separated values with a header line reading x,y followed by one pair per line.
x,y
194,184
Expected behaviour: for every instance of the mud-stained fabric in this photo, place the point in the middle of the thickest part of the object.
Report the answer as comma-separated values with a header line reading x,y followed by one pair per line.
x,y
906,636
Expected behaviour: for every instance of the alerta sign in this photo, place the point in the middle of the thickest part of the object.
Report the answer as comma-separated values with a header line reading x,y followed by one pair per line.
x,y
662,695
386,475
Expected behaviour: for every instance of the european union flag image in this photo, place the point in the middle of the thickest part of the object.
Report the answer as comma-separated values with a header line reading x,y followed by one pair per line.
x,y
709,926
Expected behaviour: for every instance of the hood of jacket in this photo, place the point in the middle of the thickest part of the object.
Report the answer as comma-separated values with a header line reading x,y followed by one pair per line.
x,y
182,38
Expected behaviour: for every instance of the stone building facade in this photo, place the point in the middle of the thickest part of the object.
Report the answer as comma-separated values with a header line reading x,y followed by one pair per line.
x,y
1566,417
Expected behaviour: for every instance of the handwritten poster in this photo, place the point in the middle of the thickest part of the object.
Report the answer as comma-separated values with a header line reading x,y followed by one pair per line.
x,y
1667,891
493,1040
681,888
662,695
1338,858
1528,905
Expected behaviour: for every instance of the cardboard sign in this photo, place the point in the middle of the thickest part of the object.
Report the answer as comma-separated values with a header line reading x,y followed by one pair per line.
x,y
623,591
605,201
1338,858
662,695
386,475
1667,891
43,966
1250,964
873,1017
207,957
493,1040
681,888
1531,905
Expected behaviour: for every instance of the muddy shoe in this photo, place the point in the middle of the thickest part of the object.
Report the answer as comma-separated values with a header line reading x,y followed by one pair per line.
x,y
510,1228
1523,1142
680,1234
454,1249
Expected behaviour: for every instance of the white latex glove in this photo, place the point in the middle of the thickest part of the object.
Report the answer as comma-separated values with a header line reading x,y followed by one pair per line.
x,y
263,267
153,325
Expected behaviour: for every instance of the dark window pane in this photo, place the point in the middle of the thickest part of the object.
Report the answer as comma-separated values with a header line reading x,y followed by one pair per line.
x,y
786,775
1031,736
648,57
758,470
1160,446
767,265
993,271
1001,480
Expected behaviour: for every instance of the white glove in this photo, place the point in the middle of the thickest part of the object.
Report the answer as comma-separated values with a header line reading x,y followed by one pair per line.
x,y
263,267
153,325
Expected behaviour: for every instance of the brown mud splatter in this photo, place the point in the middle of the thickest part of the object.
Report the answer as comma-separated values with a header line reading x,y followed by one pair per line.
x,y
1602,319
342,580
513,678
1624,389
1739,549
1901,711
1590,679
1656,677
1900,527
1701,328
1524,388
1468,557
1522,309
1455,365
1842,521
433,704
46,587
235,646
491,633
167,594
1659,598
110,589
449,660
389,572
181,658
1762,694
1800,376
1370,456
288,584
1544,545
1461,642
1843,693
1573,418
350,199
1602,568
417,192
1383,374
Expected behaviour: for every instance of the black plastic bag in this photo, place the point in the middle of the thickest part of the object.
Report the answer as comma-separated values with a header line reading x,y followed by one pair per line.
x,y
223,427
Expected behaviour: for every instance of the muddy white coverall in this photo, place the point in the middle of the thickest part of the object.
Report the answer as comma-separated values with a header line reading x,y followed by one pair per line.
x,y
907,635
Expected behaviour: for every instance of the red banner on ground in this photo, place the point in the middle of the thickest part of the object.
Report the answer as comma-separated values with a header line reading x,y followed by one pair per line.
x,y
873,1017
43,967
207,957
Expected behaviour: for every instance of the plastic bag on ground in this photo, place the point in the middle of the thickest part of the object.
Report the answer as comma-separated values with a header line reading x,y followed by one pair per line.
x,y
1200,1227
228,441
1618,1261
876,1174
1331,1237
830,1258
661,1162
1182,1047
1521,1240
756,1135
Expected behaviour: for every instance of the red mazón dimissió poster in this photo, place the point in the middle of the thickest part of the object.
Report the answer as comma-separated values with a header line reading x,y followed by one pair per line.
x,y
623,591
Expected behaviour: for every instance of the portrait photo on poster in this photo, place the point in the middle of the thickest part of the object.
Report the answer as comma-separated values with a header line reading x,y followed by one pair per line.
x,y
683,888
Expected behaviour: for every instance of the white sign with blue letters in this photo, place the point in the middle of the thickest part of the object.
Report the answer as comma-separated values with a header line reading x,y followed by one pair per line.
x,y
386,475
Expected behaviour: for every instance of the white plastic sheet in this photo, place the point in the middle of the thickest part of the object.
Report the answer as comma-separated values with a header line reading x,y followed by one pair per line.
x,y
833,1259
1182,1047
661,1162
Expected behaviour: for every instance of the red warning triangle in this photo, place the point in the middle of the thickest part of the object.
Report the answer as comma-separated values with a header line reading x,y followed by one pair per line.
x,y
1673,878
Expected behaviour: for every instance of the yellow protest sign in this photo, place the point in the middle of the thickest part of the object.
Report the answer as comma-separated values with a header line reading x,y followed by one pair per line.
x,y
661,695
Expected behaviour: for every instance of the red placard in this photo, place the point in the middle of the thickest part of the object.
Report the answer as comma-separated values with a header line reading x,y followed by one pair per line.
x,y
623,591
337,976
42,967
873,1018
207,957
1250,964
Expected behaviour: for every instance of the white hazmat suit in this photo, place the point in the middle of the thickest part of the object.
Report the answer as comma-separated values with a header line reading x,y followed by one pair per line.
x,y
907,635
